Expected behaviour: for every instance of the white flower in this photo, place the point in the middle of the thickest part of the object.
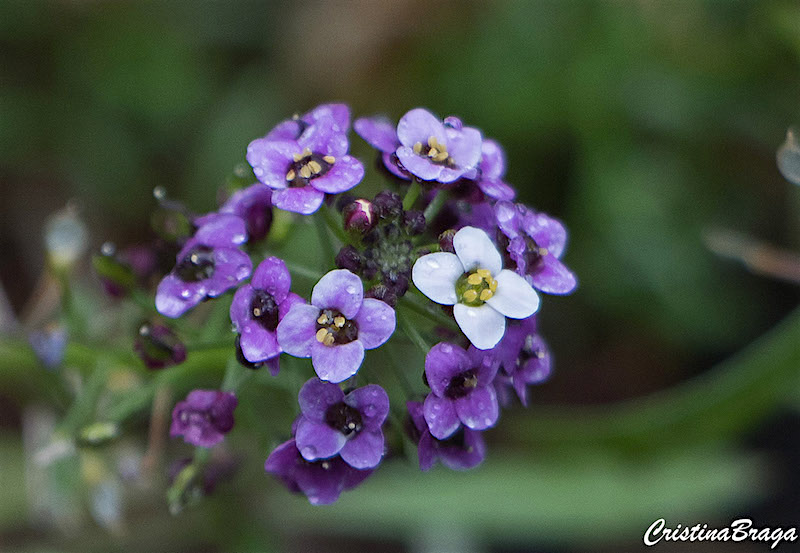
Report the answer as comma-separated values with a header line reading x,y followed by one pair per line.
x,y
474,282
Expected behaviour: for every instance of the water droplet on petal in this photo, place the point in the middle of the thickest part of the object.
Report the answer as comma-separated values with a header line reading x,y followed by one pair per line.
x,y
351,289
433,264
309,452
185,293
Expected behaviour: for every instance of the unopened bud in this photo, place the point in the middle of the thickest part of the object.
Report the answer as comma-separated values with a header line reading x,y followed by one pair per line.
x,y
158,346
359,216
349,258
446,241
383,293
414,221
388,205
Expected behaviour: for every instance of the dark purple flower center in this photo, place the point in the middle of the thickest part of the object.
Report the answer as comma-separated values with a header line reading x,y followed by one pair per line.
x,y
461,385
196,265
306,167
264,309
334,329
530,350
533,253
344,418
457,440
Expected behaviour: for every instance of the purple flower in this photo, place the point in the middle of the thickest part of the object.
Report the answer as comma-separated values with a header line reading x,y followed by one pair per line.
x,y
291,129
208,265
321,481
337,327
204,417
436,151
535,243
381,134
158,346
253,204
491,170
348,425
461,390
464,450
258,307
302,171
524,358
49,345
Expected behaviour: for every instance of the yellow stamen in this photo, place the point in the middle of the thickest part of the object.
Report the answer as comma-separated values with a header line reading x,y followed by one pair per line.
x,y
323,319
543,252
433,152
485,273
486,294
470,296
329,159
315,166
493,286
442,156
432,142
322,335
339,321
329,339
474,279
306,152
297,157
305,172
418,148
291,175
257,312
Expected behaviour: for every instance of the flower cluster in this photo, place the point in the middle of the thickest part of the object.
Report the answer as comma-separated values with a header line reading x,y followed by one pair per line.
x,y
443,250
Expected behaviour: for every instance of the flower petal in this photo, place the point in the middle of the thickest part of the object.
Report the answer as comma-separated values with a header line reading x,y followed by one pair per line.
x,y
379,133
417,126
271,160
440,414
553,277
443,362
464,147
497,189
435,275
476,251
231,266
463,458
272,276
317,440
339,289
175,297
376,322
305,200
493,160
316,396
514,297
365,450
345,173
426,452
478,410
373,404
297,331
483,326
394,166
324,137
547,231
417,165
258,344
337,363
222,230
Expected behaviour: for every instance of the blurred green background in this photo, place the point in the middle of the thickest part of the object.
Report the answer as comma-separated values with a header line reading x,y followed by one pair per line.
x,y
644,125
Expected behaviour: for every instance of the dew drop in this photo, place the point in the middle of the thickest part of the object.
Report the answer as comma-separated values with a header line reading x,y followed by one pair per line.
x,y
433,264
258,171
309,452
351,289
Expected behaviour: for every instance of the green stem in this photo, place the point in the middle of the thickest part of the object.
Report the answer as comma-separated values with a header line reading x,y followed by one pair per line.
x,y
329,254
427,310
411,195
414,335
334,224
302,271
435,206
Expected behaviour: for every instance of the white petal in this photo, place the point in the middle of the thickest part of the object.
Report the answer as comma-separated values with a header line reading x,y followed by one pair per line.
x,y
514,297
482,325
476,251
435,275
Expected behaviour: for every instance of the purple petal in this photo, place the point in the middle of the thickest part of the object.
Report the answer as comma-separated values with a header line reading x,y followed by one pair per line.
x,y
426,451
222,231
464,147
271,160
443,362
467,457
337,363
379,133
316,397
346,173
324,137
297,331
479,409
417,165
272,276
418,125
317,440
493,160
339,112
440,414
552,277
285,130
415,413
497,189
258,344
376,322
450,174
282,460
485,363
305,200
508,218
373,404
274,365
394,166
286,305
546,231
231,266
322,485
341,290
175,297
365,450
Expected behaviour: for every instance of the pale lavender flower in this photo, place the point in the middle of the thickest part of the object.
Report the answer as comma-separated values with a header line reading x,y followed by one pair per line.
x,y
204,417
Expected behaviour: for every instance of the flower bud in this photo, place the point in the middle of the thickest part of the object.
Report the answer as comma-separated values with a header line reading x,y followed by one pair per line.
x,y
349,258
388,204
396,282
65,237
446,241
414,221
383,293
359,216
158,346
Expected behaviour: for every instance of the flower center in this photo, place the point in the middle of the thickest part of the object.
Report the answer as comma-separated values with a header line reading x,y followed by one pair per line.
x,y
533,253
457,440
334,329
344,418
461,385
307,166
435,151
197,265
473,289
530,350
264,309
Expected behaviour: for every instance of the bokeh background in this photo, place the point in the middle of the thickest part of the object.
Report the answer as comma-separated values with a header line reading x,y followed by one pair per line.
x,y
649,127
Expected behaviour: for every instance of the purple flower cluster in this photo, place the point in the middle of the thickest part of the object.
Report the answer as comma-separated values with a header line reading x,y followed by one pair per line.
x,y
457,239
